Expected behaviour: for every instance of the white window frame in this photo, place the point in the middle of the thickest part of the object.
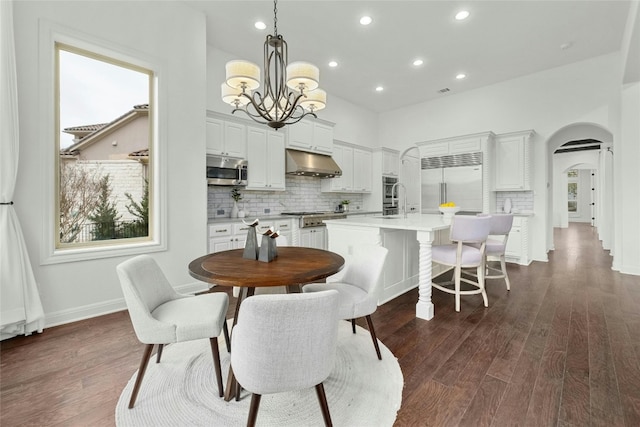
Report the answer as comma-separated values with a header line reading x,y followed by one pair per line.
x,y
49,35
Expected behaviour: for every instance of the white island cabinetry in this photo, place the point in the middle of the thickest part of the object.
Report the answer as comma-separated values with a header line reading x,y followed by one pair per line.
x,y
409,242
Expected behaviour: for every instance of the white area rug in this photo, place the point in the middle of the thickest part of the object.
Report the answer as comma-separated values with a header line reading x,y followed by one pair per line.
x,y
181,390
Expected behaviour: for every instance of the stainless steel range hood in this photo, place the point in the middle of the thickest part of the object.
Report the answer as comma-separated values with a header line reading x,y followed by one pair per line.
x,y
311,164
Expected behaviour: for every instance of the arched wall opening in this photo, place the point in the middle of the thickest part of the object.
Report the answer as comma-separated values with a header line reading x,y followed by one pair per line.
x,y
599,161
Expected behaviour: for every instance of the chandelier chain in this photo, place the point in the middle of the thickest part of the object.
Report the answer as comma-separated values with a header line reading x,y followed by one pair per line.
x,y
275,18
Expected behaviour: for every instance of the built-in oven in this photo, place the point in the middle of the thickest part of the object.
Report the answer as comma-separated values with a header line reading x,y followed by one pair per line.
x,y
226,171
388,194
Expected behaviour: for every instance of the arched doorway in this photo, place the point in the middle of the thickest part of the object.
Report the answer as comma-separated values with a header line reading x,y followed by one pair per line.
x,y
600,162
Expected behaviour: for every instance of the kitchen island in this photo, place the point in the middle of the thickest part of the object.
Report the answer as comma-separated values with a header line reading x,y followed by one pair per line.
x,y
409,242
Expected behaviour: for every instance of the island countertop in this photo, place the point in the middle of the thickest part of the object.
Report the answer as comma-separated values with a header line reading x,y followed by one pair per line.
x,y
417,221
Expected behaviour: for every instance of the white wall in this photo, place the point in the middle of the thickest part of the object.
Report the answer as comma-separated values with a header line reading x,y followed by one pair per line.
x,y
174,35
627,204
544,102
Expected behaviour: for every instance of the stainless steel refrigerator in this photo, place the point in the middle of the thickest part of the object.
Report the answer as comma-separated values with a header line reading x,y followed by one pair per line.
x,y
454,178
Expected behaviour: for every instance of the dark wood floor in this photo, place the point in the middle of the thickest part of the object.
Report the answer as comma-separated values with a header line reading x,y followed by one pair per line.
x,y
561,349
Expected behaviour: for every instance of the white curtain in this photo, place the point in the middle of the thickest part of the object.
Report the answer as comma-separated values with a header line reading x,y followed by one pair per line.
x,y
20,306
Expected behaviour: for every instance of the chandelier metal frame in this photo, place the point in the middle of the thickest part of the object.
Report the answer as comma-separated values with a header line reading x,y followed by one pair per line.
x,y
280,104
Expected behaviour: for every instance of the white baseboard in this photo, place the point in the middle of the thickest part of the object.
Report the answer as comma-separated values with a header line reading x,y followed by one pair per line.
x,y
106,307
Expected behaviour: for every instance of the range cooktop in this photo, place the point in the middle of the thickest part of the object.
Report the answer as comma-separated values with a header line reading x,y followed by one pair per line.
x,y
303,213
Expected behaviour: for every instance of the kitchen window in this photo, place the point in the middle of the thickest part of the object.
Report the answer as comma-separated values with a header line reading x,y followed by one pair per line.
x,y
105,168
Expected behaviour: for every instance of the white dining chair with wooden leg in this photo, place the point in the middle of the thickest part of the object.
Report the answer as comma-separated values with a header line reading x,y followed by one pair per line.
x,y
285,342
358,285
464,232
160,315
496,246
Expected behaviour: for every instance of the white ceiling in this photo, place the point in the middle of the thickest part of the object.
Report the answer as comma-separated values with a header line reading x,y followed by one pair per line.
x,y
501,40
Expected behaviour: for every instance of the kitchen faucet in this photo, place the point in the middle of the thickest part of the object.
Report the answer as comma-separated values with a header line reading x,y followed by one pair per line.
x,y
394,198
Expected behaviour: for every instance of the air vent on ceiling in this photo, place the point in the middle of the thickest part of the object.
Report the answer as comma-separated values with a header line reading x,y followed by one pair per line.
x,y
444,90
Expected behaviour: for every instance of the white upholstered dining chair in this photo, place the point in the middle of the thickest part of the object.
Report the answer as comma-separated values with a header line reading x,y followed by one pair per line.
x,y
160,315
284,343
465,231
358,285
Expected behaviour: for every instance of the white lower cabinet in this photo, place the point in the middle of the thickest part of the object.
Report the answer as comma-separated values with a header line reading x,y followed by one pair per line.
x,y
233,235
313,237
518,242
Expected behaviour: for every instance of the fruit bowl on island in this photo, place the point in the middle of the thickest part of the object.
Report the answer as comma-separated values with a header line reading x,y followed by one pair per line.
x,y
448,212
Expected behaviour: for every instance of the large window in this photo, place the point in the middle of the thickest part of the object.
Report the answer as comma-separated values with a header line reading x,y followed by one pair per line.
x,y
104,143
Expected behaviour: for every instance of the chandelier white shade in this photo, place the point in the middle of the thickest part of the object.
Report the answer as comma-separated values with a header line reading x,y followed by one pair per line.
x,y
315,100
233,96
289,91
243,75
302,76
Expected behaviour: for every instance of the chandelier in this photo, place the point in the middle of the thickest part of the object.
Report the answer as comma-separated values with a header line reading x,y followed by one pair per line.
x,y
290,90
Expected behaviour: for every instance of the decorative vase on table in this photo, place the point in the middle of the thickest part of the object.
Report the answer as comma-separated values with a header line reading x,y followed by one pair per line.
x,y
234,210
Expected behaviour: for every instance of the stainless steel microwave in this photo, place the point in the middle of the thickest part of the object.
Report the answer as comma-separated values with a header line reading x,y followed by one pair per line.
x,y
226,171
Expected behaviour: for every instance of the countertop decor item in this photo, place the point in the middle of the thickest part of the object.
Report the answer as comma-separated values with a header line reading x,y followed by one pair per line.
x,y
268,249
506,208
236,196
290,90
448,212
251,248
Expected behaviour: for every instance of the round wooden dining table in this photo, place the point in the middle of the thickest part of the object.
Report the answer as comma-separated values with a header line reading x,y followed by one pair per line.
x,y
292,267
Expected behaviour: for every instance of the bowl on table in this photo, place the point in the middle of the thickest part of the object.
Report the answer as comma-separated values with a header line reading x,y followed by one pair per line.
x,y
448,212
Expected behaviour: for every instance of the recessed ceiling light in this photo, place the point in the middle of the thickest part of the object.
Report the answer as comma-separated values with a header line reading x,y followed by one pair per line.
x,y
418,62
379,89
366,20
463,14
260,25
333,64
461,76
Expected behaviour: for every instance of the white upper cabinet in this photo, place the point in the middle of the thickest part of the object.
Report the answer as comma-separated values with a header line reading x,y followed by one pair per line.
x,y
513,161
361,170
356,165
311,135
266,159
390,162
456,145
226,138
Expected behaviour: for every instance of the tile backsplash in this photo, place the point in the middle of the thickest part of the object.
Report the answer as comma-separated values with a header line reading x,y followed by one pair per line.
x,y
522,200
302,194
